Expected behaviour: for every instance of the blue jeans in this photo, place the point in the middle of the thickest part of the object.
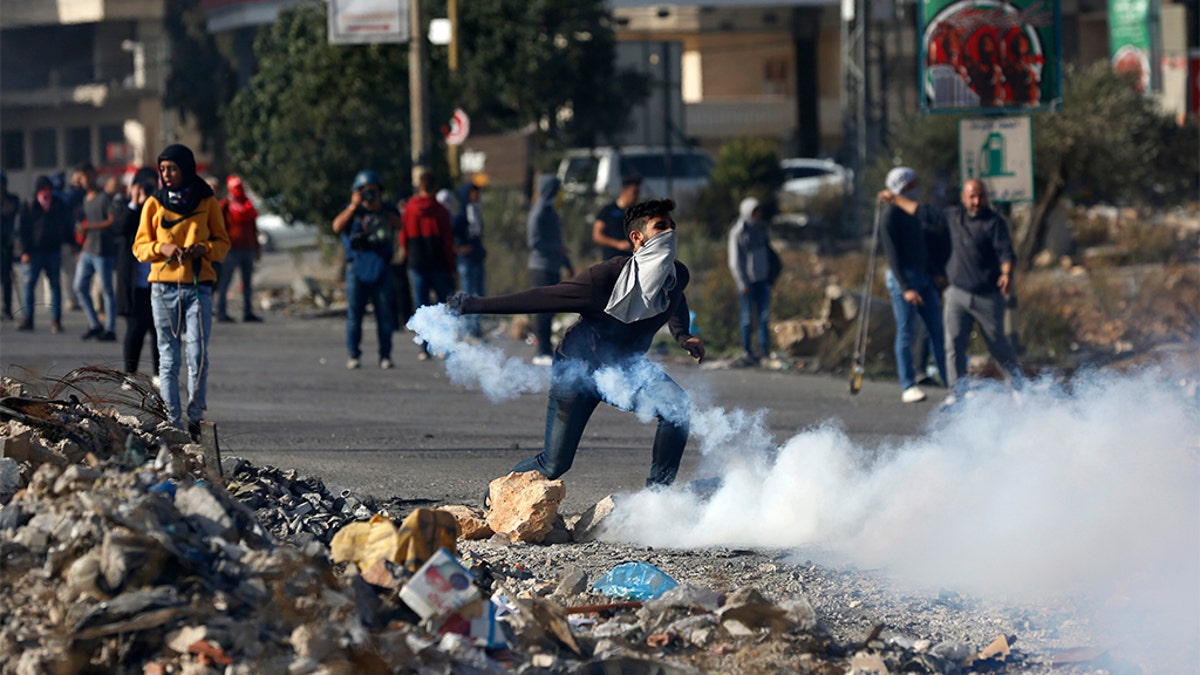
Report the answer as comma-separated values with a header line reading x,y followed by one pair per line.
x,y
51,265
379,293
182,317
470,280
755,304
436,282
906,315
573,399
91,264
240,259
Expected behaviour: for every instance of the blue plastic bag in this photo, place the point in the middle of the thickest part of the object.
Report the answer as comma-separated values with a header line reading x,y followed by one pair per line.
x,y
636,581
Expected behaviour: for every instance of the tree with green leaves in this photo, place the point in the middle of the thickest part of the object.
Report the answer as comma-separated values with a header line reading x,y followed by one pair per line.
x,y
547,66
745,167
315,114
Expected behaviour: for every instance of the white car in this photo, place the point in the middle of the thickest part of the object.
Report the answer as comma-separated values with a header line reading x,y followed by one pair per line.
x,y
275,234
598,171
807,177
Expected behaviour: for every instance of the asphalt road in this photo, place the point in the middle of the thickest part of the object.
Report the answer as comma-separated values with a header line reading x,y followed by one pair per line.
x,y
280,394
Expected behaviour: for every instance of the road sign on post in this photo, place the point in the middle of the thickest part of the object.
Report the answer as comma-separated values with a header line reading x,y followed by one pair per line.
x,y
998,151
459,129
367,21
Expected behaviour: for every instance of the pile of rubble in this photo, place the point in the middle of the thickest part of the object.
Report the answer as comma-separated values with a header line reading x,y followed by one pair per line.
x,y
124,549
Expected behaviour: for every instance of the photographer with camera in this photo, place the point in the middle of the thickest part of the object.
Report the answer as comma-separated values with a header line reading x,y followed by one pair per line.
x,y
367,227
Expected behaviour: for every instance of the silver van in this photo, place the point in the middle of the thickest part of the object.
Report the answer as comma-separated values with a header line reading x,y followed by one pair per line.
x,y
598,171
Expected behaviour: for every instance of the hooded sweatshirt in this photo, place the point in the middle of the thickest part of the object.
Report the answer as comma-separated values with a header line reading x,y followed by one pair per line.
x,y
427,236
185,216
748,260
543,230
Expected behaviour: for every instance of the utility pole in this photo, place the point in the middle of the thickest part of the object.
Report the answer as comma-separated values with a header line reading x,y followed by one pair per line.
x,y
418,103
855,103
452,13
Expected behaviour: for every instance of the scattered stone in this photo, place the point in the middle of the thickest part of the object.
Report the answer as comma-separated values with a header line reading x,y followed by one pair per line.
x,y
472,522
591,524
524,506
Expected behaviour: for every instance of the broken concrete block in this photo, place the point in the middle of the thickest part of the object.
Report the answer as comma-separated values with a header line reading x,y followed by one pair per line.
x,y
311,641
75,477
747,610
573,582
524,506
591,523
472,523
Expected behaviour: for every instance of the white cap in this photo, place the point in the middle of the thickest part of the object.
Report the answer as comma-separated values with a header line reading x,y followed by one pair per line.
x,y
899,178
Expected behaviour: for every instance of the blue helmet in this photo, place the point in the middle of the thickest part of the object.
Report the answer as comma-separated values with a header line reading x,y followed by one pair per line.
x,y
365,178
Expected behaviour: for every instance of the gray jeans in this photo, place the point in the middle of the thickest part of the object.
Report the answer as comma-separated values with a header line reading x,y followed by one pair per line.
x,y
963,309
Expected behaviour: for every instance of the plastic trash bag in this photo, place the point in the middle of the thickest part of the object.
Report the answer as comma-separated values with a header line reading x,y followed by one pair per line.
x,y
634,580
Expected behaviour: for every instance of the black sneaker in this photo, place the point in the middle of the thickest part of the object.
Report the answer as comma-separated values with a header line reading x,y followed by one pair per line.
x,y
92,333
107,336
26,326
224,318
251,318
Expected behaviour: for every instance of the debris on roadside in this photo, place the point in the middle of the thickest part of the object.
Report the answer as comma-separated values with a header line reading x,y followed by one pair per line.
x,y
121,550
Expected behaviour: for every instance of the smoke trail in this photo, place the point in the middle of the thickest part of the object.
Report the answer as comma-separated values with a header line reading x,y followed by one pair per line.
x,y
480,367
636,386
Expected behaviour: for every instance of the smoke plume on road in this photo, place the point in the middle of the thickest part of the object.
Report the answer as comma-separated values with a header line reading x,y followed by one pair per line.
x,y
1093,493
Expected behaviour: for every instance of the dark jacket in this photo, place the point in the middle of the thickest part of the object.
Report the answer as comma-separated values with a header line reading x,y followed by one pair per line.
x,y
462,228
45,231
427,235
978,245
543,229
597,338
125,227
905,247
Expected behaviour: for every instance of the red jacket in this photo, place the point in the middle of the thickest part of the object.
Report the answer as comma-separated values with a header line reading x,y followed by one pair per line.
x,y
427,235
241,220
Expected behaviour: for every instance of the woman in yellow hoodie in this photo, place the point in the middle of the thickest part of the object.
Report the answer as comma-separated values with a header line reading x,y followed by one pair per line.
x,y
182,233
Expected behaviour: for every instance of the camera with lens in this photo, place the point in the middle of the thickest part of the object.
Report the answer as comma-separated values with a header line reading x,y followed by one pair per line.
x,y
373,235
370,195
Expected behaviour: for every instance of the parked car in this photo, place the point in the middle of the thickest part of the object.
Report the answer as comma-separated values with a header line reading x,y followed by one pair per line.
x,y
807,177
275,234
598,171
813,191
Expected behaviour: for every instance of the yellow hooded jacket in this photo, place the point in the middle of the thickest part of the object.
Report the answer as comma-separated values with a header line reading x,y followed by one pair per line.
x,y
160,226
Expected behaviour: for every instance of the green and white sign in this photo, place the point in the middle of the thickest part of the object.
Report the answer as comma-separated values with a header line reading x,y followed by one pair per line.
x,y
1130,40
998,151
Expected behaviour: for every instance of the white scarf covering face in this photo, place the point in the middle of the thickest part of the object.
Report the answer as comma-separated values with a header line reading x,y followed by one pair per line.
x,y
644,286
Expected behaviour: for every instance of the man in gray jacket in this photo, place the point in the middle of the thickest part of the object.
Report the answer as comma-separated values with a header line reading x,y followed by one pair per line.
x,y
547,257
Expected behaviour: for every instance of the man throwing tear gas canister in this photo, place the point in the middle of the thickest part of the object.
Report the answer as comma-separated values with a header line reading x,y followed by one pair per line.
x,y
622,303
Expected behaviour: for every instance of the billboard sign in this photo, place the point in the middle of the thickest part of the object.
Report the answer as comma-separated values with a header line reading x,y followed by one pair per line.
x,y
998,151
356,22
990,56
1129,40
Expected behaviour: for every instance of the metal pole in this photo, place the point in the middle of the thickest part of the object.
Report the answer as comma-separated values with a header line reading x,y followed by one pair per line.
x,y
418,106
452,13
666,92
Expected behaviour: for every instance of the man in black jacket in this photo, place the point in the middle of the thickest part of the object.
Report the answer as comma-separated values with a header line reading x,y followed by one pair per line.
x,y
622,303
45,228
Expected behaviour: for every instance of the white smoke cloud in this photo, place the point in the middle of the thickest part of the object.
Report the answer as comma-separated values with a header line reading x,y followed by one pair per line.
x,y
1093,491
